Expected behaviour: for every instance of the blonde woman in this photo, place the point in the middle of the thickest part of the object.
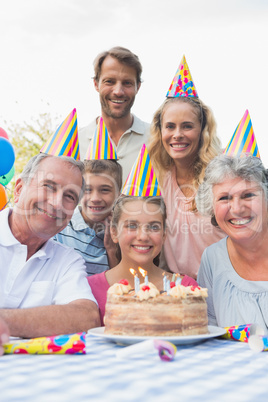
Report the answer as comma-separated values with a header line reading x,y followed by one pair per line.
x,y
183,141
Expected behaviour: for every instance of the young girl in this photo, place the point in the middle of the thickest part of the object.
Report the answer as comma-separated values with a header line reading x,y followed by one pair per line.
x,y
138,227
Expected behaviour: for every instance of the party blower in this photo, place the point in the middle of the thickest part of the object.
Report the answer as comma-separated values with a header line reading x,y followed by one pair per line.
x,y
61,344
243,332
166,350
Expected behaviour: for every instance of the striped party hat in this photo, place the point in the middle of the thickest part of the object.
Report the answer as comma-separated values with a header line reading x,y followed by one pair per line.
x,y
142,181
101,146
182,84
65,140
243,139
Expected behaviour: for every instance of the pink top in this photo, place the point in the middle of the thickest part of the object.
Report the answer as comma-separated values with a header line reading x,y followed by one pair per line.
x,y
188,233
99,287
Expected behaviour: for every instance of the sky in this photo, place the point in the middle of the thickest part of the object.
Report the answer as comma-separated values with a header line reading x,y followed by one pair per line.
x,y
48,47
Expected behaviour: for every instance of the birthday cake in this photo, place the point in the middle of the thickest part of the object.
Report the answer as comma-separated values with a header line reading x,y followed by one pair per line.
x,y
148,313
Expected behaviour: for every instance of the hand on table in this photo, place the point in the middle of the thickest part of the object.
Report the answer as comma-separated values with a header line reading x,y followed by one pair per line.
x,y
4,334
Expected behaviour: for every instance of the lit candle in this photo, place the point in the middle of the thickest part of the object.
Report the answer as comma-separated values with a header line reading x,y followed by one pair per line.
x,y
144,274
136,280
136,283
173,278
168,286
146,279
164,282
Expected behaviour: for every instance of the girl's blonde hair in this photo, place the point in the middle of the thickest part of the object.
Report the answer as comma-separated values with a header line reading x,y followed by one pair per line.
x,y
209,147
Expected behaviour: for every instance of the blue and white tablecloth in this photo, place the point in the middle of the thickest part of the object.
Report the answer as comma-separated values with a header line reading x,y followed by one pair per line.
x,y
215,370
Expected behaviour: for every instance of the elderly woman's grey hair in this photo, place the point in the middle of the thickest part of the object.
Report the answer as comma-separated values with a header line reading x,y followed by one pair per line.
x,y
246,167
32,165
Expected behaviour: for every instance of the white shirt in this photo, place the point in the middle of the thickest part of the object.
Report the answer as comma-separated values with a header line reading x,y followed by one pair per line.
x,y
128,146
55,274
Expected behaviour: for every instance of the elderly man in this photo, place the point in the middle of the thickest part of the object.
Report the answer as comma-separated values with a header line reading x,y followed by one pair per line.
x,y
118,80
43,286
4,335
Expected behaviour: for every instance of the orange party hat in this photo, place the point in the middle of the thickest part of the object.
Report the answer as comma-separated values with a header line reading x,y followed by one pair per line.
x,y
243,139
142,181
182,84
65,140
101,146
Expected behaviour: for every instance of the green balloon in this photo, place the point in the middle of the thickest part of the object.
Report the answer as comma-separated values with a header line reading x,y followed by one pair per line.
x,y
5,179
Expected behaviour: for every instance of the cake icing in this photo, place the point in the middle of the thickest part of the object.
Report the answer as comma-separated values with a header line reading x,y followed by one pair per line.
x,y
150,313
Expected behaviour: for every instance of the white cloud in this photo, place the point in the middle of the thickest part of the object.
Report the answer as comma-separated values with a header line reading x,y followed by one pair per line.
x,y
47,49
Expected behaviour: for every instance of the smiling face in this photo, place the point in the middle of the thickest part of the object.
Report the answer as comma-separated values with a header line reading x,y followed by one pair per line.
x,y
99,196
140,233
181,130
45,205
240,209
117,87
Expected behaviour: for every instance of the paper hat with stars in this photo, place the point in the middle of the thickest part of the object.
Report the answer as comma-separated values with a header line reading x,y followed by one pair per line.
x,y
101,146
182,84
243,139
142,180
65,140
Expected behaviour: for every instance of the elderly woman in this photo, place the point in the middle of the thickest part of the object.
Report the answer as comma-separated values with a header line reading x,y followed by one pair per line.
x,y
235,269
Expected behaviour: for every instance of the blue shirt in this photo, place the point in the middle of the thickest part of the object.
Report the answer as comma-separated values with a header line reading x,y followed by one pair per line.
x,y
232,300
86,242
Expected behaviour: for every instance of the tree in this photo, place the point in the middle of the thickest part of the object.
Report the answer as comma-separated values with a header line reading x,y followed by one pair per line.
x,y
27,140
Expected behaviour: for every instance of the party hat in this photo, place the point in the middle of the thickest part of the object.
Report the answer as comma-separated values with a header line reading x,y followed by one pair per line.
x,y
142,180
65,140
101,146
243,139
182,84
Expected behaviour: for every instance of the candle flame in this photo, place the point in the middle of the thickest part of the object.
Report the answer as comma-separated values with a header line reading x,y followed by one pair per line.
x,y
132,271
143,272
164,274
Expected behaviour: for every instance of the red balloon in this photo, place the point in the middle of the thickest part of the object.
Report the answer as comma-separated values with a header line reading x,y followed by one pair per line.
x,y
3,133
3,197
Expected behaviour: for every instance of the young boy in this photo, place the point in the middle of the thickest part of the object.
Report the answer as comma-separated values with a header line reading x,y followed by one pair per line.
x,y
89,231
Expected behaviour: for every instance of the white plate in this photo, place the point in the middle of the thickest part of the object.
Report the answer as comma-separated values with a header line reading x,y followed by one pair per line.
x,y
177,340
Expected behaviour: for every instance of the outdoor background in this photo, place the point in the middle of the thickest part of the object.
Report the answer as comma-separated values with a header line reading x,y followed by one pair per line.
x,y
48,47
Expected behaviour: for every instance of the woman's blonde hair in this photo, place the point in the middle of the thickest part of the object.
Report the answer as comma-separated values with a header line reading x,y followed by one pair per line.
x,y
209,147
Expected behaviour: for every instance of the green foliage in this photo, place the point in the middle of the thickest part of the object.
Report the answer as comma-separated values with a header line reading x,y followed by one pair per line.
x,y
27,140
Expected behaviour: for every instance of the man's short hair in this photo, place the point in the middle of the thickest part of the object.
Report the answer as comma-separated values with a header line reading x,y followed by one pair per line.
x,y
31,168
123,55
110,167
